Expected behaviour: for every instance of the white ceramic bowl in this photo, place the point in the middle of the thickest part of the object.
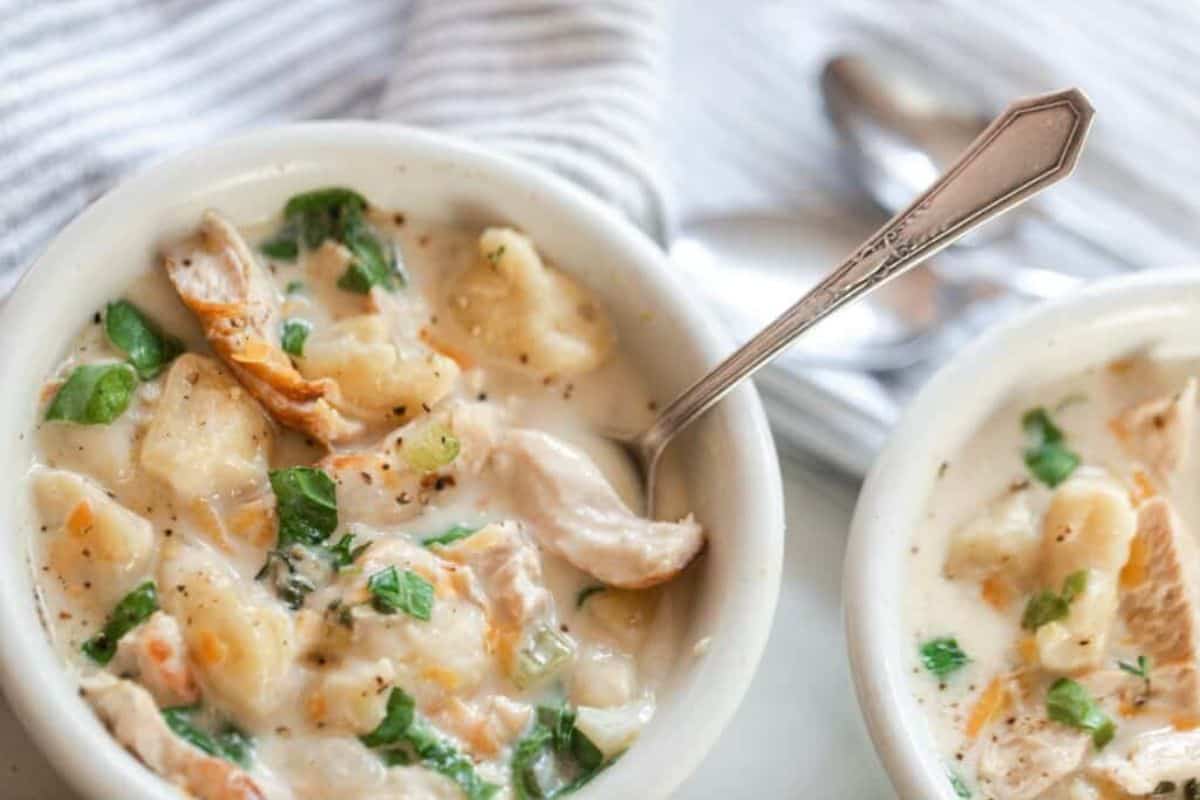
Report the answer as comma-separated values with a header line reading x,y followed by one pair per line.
x,y
1158,309
733,474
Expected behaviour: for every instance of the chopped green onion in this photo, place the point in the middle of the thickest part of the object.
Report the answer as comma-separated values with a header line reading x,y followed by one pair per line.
x,y
942,656
1046,455
1046,606
457,533
1069,703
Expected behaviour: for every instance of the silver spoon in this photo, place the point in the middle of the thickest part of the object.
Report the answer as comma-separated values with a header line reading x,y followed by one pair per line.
x,y
902,124
1032,145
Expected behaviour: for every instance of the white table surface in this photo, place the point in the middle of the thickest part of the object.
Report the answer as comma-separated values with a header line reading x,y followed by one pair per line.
x,y
798,733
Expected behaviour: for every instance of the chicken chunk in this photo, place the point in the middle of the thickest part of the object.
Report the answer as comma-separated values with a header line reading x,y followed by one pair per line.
x,y
381,378
130,713
1154,758
526,313
219,279
241,642
1158,432
507,564
575,513
1087,528
155,654
1023,759
96,547
207,435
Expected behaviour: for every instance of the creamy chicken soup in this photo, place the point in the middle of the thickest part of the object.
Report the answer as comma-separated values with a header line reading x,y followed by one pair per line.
x,y
325,515
1054,593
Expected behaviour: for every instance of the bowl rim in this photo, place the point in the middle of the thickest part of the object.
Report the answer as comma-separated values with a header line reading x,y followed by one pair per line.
x,y
94,768
973,382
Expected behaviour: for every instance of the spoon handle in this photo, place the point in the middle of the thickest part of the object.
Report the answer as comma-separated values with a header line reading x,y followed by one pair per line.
x,y
1033,144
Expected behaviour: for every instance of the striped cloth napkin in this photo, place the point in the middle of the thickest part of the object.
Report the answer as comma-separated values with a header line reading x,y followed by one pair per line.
x,y
91,89
703,109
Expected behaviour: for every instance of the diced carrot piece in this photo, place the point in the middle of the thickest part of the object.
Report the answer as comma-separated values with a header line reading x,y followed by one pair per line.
x,y
210,650
995,592
1027,649
1185,722
992,702
316,706
1143,488
447,679
1118,429
1121,365
158,650
80,519
1134,571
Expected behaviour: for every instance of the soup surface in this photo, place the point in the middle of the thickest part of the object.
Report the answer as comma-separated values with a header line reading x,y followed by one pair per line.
x,y
325,515
1053,601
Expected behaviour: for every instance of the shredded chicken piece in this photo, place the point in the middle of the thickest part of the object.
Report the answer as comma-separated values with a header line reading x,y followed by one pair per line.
x,y
1158,432
219,279
1022,760
1162,610
574,512
1153,758
130,713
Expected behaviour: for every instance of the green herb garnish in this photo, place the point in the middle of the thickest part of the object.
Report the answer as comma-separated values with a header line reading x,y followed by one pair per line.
x,y
143,342
1141,669
295,332
406,591
554,758
942,656
344,553
291,585
1046,455
94,394
404,737
294,287
1046,606
338,214
134,609
454,534
587,592
229,743
306,504
1069,703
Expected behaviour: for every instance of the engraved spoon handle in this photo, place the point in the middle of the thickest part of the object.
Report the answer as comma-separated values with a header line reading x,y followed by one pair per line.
x,y
1033,144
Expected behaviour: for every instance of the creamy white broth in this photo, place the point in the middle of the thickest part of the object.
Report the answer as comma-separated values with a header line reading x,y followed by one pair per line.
x,y
990,466
295,753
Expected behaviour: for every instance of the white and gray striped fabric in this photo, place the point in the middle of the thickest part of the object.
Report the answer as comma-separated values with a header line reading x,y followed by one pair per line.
x,y
90,89
711,104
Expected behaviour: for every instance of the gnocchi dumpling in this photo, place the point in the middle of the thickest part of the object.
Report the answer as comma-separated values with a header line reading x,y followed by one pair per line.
x,y
1087,528
1003,540
526,313
97,548
241,644
208,435
380,378
353,697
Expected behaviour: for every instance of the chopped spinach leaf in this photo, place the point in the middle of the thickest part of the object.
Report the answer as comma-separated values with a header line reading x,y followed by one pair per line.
x,y
339,214
229,743
306,504
942,656
1069,703
403,737
554,758
344,553
94,394
294,287
1046,606
587,592
1046,455
394,591
134,609
291,585
294,334
454,534
146,346
397,719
